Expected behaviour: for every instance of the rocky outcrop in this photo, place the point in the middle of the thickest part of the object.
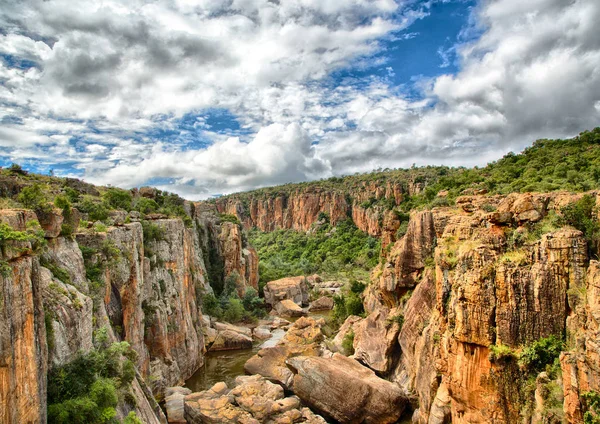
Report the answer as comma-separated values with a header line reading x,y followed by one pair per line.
x,y
303,338
368,203
144,291
175,404
253,399
287,308
23,351
324,303
226,252
341,388
479,280
292,288
231,340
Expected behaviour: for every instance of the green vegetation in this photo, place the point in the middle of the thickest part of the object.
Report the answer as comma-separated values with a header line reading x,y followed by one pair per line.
x,y
34,234
542,353
591,401
229,307
152,232
34,197
118,198
582,215
88,389
328,250
348,343
226,217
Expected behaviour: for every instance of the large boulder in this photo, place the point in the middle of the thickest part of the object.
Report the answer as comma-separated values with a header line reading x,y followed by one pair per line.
x,y
174,404
376,340
293,288
231,340
343,389
324,303
287,308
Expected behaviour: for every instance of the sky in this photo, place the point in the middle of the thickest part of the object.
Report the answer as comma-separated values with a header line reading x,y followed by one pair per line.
x,y
209,97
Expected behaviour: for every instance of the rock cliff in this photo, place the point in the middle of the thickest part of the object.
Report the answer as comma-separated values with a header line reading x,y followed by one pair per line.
x,y
469,281
143,287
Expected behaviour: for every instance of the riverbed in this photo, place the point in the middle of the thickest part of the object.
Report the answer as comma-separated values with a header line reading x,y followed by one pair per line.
x,y
227,365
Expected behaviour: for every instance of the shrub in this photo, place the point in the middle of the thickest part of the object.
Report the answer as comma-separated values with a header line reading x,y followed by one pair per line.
x,y
346,305
541,353
211,306
145,205
152,232
226,217
357,287
253,304
396,319
118,198
502,353
85,390
582,215
97,211
348,343
591,402
33,197
234,311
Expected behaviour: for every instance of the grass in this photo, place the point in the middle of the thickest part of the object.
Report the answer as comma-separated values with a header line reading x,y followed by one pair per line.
x,y
515,257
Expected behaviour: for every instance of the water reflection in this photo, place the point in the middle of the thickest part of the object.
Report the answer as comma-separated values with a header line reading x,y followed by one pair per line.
x,y
226,366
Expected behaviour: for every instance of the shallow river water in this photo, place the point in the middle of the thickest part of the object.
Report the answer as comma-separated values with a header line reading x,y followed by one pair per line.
x,y
227,365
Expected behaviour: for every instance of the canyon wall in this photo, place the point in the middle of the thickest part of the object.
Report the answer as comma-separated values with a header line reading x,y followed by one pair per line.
x,y
369,205
147,292
465,289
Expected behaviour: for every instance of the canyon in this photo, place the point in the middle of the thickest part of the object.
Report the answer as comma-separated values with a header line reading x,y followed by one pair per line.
x,y
467,299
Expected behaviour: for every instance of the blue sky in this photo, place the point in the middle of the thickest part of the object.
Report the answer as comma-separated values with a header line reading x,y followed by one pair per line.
x,y
211,97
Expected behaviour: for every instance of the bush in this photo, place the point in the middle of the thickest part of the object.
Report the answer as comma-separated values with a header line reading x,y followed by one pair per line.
x,y
152,232
118,199
226,217
234,310
253,304
97,211
541,353
348,343
582,215
591,401
145,205
211,306
33,197
346,305
85,390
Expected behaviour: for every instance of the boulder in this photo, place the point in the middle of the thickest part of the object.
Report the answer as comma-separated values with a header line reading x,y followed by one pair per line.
x,y
174,404
262,332
51,222
222,326
343,389
287,308
293,288
230,340
118,217
253,399
346,327
376,341
302,339
323,303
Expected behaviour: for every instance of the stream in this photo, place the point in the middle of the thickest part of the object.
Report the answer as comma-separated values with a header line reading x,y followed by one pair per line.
x,y
227,365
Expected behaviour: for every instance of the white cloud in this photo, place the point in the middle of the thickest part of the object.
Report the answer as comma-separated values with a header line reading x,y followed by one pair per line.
x,y
111,75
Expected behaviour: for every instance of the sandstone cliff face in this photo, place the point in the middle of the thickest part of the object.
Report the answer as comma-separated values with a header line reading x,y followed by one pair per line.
x,y
145,292
225,249
300,208
472,290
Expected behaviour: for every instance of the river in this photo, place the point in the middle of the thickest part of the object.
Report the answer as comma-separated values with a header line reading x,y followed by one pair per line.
x,y
227,365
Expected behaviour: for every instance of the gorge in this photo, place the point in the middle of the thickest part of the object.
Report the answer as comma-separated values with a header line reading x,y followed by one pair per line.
x,y
481,304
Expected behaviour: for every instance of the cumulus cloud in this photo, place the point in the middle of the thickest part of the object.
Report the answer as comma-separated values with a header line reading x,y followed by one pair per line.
x,y
101,86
